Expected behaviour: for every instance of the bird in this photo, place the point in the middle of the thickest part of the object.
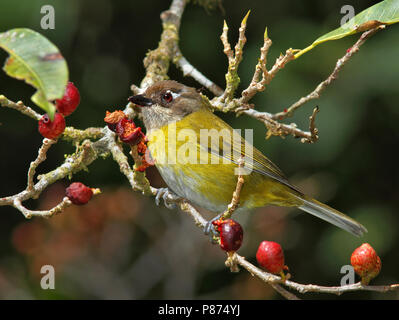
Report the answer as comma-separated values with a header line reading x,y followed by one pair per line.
x,y
198,154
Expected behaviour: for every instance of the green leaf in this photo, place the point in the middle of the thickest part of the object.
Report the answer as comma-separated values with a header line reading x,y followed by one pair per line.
x,y
36,60
382,13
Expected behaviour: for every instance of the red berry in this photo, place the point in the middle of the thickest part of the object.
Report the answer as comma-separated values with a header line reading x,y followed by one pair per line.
x,y
124,125
134,137
231,234
366,262
128,133
78,193
112,119
270,256
52,129
69,101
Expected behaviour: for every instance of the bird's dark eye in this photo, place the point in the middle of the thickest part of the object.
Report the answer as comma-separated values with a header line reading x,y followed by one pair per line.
x,y
167,96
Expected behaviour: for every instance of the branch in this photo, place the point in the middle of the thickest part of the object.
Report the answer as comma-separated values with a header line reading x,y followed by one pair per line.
x,y
137,180
258,85
42,155
304,288
157,61
261,78
272,279
89,151
312,128
189,70
236,194
315,94
4,102
276,128
285,293
45,213
234,58
75,135
260,69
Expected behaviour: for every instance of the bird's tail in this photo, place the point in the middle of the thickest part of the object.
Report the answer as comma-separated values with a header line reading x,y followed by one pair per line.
x,y
331,215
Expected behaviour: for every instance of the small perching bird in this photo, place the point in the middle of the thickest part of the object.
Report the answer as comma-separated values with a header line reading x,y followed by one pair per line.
x,y
197,155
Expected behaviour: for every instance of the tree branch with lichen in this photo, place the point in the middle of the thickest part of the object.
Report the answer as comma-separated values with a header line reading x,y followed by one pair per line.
x,y
78,161
262,77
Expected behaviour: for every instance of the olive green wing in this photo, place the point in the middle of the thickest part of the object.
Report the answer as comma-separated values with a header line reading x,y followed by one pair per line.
x,y
233,147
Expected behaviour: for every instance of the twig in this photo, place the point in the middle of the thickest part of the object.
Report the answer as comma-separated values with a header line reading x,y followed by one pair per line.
x,y
42,213
72,164
274,279
189,70
315,94
312,128
260,69
267,76
124,166
276,128
157,61
234,58
4,102
76,135
42,155
285,293
236,194
303,288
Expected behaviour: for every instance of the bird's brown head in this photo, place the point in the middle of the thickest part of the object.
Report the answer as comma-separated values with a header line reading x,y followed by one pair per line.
x,y
167,101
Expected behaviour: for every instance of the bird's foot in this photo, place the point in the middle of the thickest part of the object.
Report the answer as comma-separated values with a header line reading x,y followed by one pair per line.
x,y
210,230
164,193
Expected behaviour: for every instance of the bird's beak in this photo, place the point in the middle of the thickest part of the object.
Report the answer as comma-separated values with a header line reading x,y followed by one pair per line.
x,y
140,100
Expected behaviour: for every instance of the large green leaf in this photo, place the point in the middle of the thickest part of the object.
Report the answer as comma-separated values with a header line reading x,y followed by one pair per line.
x,y
36,60
385,12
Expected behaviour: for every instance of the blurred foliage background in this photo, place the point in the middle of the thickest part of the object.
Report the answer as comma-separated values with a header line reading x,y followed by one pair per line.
x,y
122,246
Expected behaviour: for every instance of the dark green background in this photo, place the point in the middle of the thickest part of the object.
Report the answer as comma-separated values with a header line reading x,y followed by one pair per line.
x,y
160,253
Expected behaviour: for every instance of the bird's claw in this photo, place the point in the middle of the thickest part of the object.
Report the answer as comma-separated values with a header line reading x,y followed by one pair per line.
x,y
210,230
164,193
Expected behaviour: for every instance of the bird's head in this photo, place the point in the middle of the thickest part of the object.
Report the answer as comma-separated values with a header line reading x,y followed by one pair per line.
x,y
167,101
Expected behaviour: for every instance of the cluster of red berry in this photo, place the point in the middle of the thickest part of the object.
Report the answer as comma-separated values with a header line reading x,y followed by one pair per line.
x,y
270,255
125,128
65,106
128,133
77,192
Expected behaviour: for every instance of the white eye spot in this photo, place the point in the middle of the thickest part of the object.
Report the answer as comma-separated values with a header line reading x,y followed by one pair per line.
x,y
175,95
